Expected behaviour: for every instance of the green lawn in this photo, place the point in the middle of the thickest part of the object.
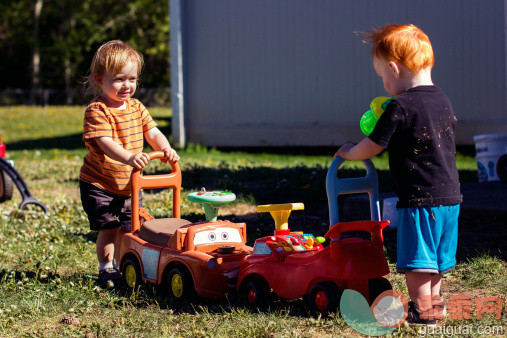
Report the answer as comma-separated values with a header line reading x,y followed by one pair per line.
x,y
48,264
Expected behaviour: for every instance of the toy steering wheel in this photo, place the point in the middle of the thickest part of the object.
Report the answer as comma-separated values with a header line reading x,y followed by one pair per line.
x,y
211,201
280,213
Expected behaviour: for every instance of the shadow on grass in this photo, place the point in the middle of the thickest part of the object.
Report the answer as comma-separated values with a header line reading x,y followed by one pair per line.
x,y
67,142
271,185
480,232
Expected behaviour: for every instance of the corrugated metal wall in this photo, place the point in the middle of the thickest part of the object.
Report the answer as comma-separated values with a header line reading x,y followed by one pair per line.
x,y
295,72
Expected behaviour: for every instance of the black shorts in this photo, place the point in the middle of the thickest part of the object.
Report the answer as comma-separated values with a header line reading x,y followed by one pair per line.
x,y
105,210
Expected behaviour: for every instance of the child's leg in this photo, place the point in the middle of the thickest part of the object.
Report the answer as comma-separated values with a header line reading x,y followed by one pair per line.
x,y
117,247
419,286
105,212
420,310
437,299
106,245
436,282
106,241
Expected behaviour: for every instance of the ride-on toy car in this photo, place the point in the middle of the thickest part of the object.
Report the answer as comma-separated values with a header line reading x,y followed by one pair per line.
x,y
295,265
184,257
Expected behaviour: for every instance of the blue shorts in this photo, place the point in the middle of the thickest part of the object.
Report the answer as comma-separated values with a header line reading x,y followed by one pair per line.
x,y
427,239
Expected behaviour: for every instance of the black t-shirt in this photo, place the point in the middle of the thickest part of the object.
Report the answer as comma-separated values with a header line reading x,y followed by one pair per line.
x,y
417,129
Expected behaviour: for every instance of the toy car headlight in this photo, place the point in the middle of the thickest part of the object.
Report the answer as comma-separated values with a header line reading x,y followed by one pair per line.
x,y
212,263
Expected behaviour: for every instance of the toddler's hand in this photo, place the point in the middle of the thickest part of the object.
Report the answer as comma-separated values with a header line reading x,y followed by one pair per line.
x,y
170,156
344,149
138,161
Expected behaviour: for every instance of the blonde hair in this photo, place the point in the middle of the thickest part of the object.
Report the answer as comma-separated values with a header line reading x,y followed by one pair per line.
x,y
406,44
111,57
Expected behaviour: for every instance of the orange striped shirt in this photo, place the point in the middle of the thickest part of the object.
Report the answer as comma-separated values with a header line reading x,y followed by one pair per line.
x,y
124,126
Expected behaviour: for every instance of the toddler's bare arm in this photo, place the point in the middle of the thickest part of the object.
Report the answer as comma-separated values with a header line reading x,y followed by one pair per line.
x,y
363,150
160,143
118,153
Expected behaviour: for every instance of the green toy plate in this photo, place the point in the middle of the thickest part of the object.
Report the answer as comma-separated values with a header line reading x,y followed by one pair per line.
x,y
211,196
211,200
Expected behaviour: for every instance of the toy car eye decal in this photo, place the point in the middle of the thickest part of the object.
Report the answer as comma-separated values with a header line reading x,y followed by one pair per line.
x,y
218,235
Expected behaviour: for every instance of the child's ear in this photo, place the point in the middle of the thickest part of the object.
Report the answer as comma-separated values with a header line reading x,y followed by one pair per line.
x,y
98,79
395,68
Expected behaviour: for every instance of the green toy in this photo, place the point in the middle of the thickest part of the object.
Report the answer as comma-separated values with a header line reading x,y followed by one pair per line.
x,y
370,118
211,200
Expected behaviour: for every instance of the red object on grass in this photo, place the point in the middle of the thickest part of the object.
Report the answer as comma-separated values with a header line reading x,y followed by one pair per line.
x,y
317,274
2,149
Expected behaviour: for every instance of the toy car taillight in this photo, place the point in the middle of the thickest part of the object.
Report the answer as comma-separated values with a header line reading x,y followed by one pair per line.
x,y
2,149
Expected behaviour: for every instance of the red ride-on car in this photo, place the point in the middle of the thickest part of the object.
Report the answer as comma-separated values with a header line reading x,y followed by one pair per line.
x,y
294,265
183,257
6,184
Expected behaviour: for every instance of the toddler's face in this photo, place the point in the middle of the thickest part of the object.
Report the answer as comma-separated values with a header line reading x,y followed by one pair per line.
x,y
119,87
392,83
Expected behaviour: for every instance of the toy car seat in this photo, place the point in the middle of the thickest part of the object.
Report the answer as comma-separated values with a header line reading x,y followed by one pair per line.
x,y
156,231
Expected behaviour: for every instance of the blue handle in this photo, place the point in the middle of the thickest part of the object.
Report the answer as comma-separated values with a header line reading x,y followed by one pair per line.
x,y
341,186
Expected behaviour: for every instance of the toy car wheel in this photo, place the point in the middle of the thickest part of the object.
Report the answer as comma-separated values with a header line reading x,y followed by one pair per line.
x,y
255,294
6,186
376,286
131,273
179,283
323,298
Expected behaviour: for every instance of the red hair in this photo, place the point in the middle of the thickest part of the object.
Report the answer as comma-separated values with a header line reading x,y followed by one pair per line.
x,y
406,44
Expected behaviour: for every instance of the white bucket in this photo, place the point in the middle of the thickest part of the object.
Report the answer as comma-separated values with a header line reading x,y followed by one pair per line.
x,y
389,211
488,149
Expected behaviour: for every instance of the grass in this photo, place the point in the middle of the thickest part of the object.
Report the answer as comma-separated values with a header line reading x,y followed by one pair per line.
x,y
48,264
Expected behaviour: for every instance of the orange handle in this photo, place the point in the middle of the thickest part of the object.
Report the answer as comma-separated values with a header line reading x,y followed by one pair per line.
x,y
171,180
154,155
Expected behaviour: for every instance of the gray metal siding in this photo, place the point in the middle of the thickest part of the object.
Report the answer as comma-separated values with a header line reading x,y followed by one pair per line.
x,y
295,72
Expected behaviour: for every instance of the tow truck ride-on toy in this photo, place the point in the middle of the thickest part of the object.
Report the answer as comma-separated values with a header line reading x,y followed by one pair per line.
x,y
295,265
183,257
8,177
